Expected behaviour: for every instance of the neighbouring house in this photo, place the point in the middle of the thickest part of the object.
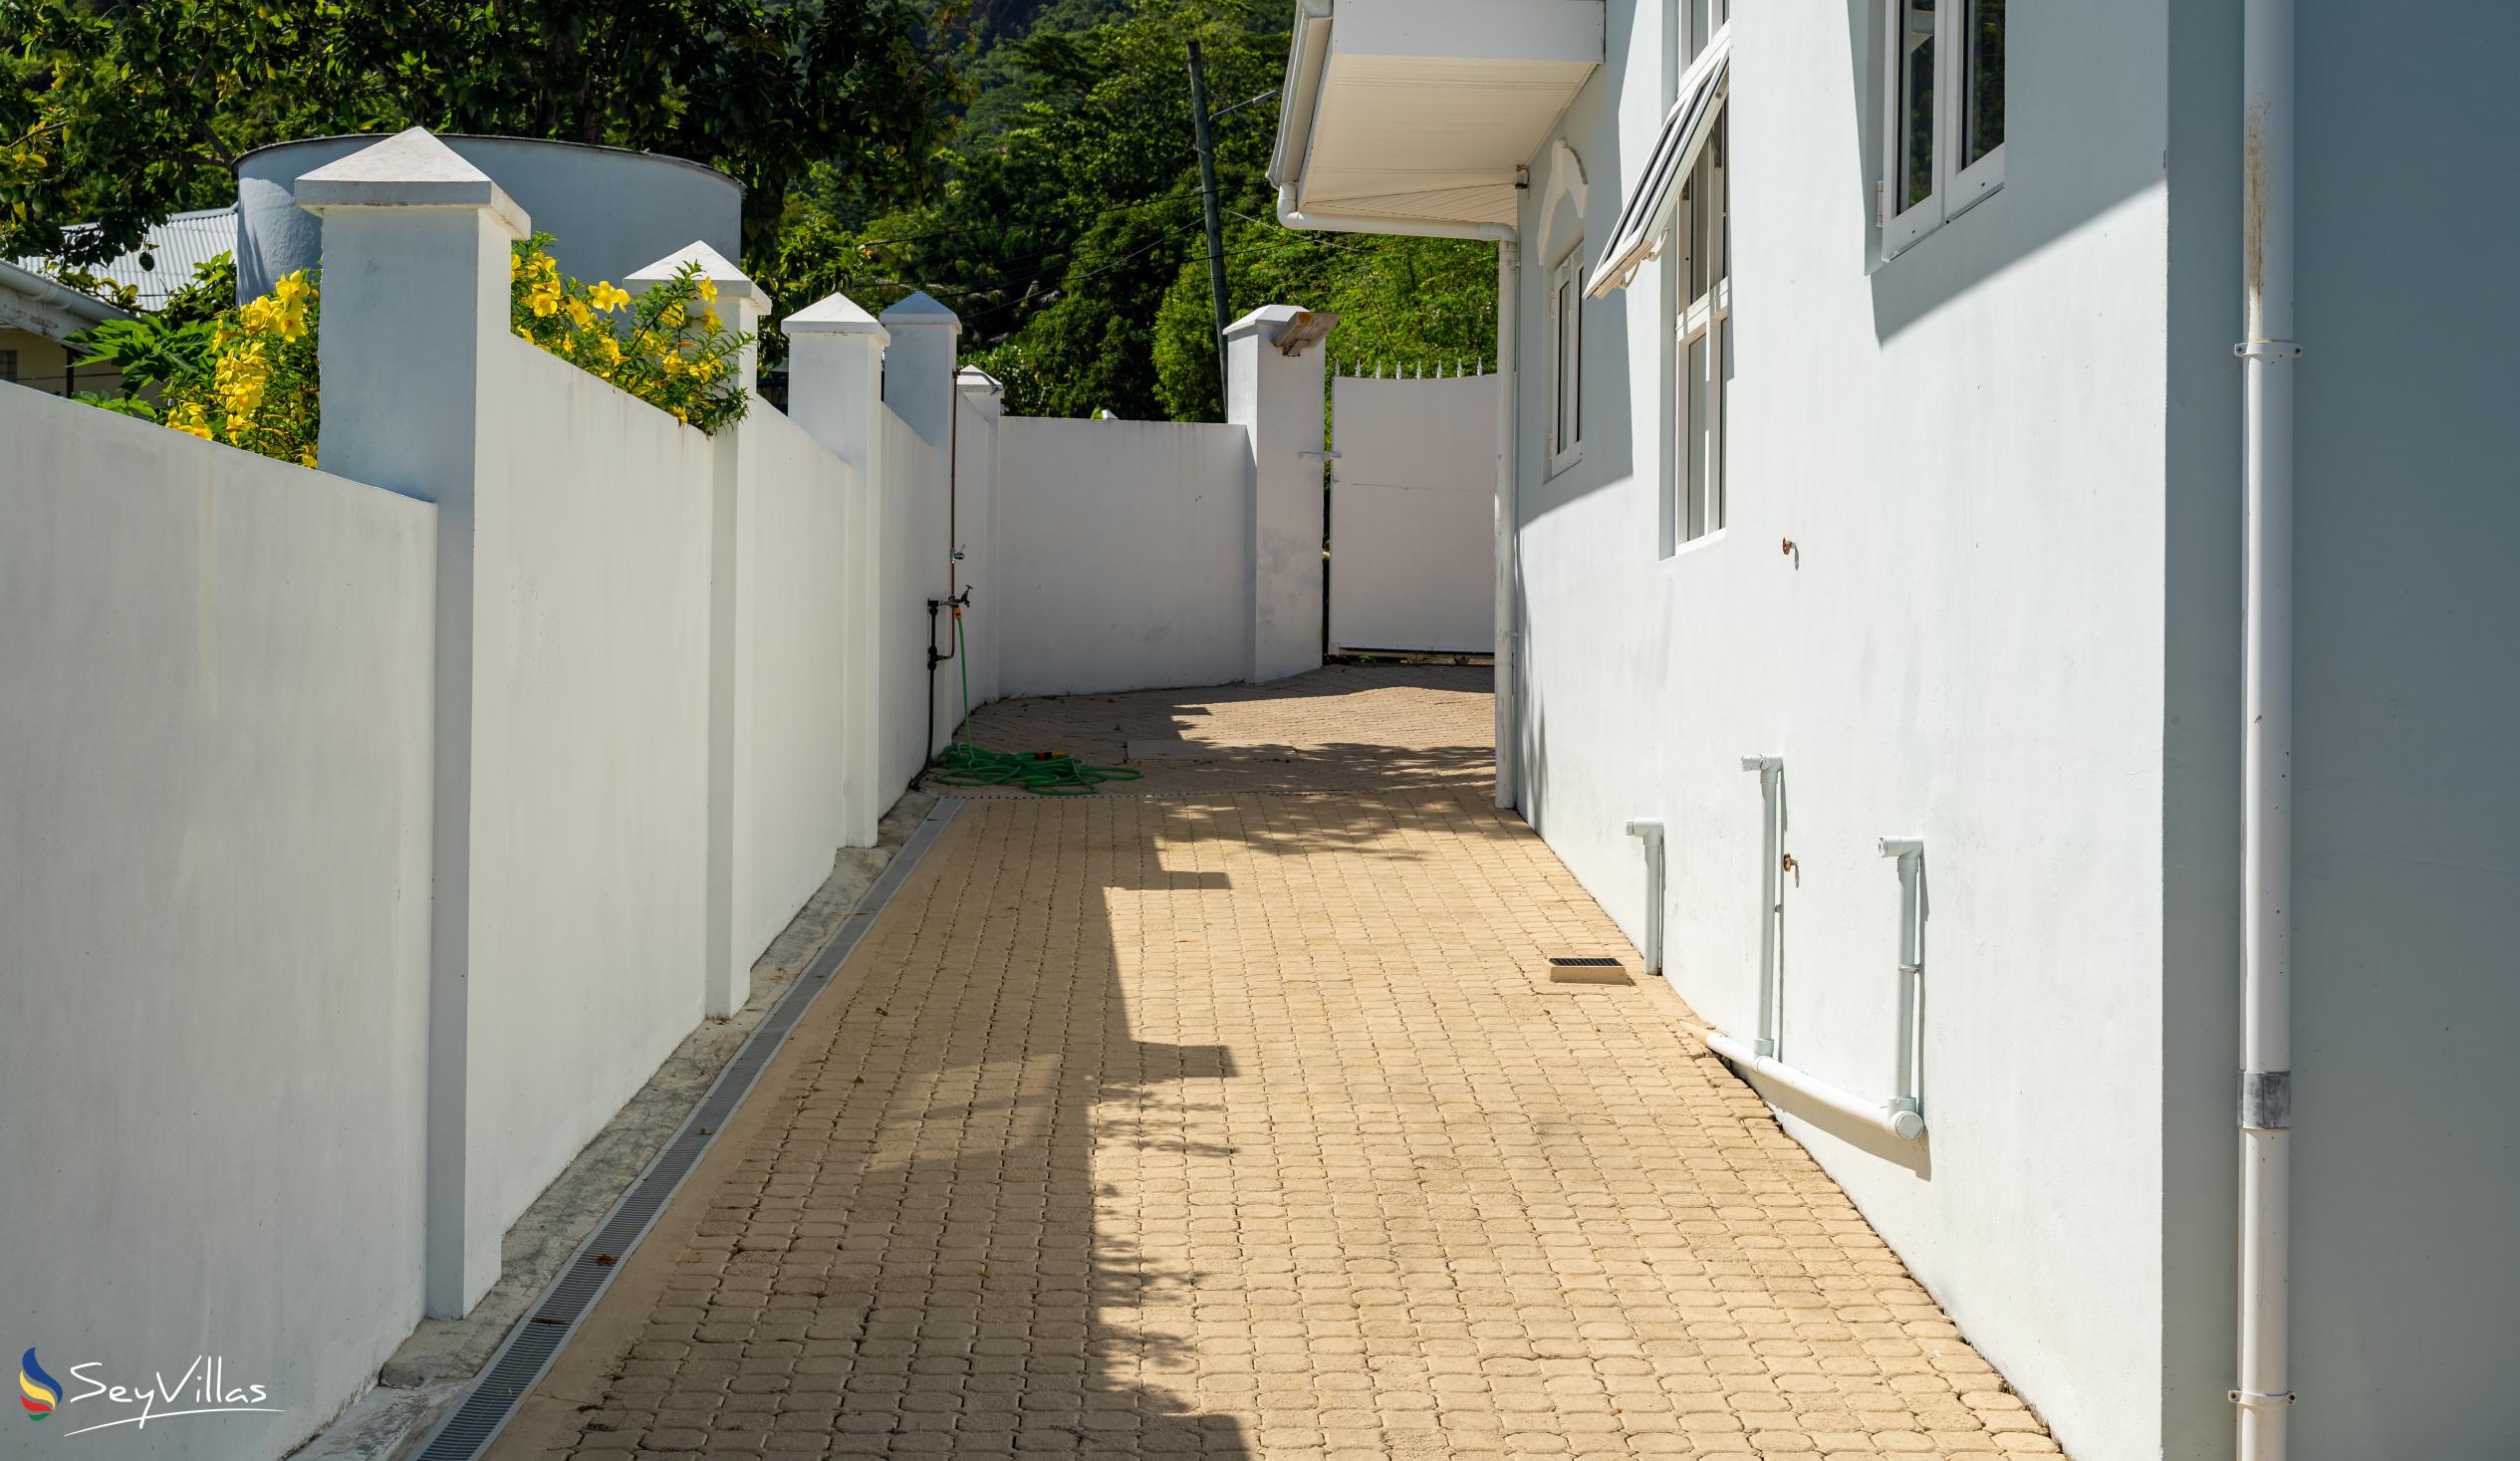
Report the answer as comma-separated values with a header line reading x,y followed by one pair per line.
x,y
1878,499
38,311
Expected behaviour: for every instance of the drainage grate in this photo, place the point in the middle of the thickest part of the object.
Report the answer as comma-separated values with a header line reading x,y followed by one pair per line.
x,y
1587,970
531,1345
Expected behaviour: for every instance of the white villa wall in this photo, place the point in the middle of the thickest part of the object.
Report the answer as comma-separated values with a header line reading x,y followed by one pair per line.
x,y
1967,445
590,769
788,641
1127,561
214,911
1412,514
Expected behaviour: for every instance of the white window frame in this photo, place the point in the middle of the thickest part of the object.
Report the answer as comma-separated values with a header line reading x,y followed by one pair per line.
x,y
1955,189
1566,361
1707,317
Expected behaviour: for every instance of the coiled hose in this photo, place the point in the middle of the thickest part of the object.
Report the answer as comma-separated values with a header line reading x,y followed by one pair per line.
x,y
1043,773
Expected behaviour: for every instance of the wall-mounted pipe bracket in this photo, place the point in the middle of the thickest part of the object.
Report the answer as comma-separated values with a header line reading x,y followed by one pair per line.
x,y
2266,1101
2267,350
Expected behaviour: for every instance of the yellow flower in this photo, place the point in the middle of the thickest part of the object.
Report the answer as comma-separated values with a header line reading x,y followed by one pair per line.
x,y
545,299
608,298
672,317
291,289
306,458
708,289
711,322
681,416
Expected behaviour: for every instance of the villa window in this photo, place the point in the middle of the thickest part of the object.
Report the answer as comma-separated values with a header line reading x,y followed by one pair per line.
x,y
1942,128
1701,289
8,365
1566,361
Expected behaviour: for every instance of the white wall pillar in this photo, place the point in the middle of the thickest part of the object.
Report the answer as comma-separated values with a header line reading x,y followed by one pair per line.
x,y
919,366
726,977
919,384
416,290
836,392
975,535
1273,391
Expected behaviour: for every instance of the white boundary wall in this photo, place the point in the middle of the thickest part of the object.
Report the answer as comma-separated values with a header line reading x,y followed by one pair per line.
x,y
214,901
1412,514
1126,558
589,778
789,511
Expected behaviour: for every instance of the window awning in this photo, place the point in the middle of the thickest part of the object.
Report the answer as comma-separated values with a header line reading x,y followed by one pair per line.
x,y
1684,132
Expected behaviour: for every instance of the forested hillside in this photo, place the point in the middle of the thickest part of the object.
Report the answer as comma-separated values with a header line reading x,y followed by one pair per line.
x,y
1065,227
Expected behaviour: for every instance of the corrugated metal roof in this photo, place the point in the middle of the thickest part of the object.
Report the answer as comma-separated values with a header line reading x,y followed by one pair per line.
x,y
175,247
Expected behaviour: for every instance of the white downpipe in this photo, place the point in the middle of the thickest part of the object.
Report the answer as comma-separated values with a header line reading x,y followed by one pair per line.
x,y
1650,830
1771,770
2264,1391
1509,273
1904,1115
1910,1100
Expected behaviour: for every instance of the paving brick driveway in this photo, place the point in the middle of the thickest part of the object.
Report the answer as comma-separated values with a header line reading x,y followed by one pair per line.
x,y
1237,1123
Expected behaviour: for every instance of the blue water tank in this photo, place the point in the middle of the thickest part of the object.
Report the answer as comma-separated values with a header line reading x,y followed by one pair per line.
x,y
610,212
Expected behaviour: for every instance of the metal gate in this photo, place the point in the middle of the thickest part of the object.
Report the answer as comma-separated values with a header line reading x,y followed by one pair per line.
x,y
1413,515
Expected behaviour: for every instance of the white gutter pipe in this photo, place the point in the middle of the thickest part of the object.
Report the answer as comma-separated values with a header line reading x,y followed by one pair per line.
x,y
2264,1391
1509,273
1294,217
1771,770
1911,852
1650,830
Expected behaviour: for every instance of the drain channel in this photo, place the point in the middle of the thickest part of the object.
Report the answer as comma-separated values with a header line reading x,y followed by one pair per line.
x,y
536,1338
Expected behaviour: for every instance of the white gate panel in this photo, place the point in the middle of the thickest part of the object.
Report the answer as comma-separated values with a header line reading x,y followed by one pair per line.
x,y
1413,515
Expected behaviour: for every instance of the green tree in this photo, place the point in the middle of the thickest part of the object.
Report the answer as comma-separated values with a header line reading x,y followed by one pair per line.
x,y
121,111
1067,231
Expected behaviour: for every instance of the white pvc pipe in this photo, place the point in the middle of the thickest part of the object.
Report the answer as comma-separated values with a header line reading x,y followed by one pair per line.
x,y
2264,1389
1905,1125
1771,770
1911,852
1651,830
1509,273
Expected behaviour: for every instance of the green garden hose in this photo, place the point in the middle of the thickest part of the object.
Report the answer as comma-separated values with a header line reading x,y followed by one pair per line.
x,y
1043,773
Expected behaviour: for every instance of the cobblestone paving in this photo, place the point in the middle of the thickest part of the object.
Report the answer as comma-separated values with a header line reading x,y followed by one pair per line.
x,y
1340,728
1248,1125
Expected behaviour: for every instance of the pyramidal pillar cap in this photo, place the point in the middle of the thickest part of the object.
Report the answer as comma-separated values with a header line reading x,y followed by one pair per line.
x,y
732,282
410,169
922,312
834,313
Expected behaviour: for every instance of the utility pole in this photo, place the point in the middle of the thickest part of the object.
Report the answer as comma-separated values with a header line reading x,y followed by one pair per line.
x,y
1206,144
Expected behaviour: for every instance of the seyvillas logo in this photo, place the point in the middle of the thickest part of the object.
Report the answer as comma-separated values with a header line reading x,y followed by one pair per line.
x,y
37,1391
201,1389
